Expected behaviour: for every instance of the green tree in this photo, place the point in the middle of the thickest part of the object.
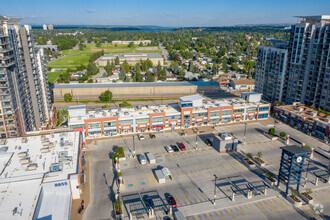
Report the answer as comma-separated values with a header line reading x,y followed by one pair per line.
x,y
117,60
122,75
108,68
126,67
259,154
271,131
125,104
81,67
149,63
181,74
92,69
130,44
283,134
225,68
67,97
106,96
191,66
140,44
90,81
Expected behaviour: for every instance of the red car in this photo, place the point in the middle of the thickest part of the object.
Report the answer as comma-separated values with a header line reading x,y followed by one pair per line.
x,y
171,200
182,147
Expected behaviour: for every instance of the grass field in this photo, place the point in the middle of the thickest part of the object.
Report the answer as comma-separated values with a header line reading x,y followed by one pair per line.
x,y
73,58
52,76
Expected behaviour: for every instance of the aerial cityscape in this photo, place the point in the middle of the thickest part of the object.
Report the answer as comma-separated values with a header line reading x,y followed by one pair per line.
x,y
178,110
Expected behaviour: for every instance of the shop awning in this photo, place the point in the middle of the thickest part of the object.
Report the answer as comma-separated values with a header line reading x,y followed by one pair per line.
x,y
158,126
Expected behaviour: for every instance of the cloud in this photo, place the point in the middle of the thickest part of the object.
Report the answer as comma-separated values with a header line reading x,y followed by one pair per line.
x,y
87,10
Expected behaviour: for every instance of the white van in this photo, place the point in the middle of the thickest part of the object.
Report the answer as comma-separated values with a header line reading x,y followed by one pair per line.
x,y
142,159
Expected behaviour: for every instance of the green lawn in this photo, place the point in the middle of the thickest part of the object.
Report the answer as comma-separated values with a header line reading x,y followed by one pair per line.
x,y
73,58
52,76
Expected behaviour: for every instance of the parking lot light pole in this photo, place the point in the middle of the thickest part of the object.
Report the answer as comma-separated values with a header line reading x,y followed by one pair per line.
x,y
196,141
245,134
215,185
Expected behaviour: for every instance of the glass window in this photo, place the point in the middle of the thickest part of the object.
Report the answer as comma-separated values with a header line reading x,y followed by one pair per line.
x,y
142,120
94,125
226,112
251,109
214,113
263,108
157,119
263,115
109,123
124,122
237,110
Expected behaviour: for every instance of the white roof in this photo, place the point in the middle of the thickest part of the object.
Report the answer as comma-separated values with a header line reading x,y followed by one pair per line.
x,y
166,171
191,97
54,201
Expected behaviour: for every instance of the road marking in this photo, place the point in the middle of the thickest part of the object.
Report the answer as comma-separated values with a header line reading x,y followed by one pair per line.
x,y
135,182
198,217
220,214
224,191
223,169
180,155
322,195
241,211
311,213
186,199
238,164
187,154
165,158
180,173
231,213
194,153
229,165
209,215
251,209
189,173
214,169
280,203
317,197
195,197
207,171
198,171
261,208
271,205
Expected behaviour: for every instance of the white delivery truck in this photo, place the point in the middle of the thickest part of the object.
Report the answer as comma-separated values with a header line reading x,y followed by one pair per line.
x,y
151,158
160,176
178,215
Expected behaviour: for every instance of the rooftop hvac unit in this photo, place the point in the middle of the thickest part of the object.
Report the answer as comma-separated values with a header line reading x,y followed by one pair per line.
x,y
3,141
3,149
62,154
30,167
25,160
54,167
24,140
44,150
22,154
104,113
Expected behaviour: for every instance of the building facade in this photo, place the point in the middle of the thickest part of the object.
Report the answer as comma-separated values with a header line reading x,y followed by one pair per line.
x,y
185,114
306,119
131,58
25,103
307,65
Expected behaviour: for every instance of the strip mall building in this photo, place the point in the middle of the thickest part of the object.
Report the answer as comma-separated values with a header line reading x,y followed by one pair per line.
x,y
190,111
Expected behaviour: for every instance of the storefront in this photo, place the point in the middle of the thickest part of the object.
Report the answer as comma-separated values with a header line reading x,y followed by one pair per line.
x,y
157,127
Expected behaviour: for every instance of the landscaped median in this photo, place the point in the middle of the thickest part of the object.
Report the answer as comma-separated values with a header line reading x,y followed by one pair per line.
x,y
306,196
293,198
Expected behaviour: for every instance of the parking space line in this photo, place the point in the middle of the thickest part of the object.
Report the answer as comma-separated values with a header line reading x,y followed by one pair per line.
x,y
251,209
186,199
209,215
187,154
262,209
135,182
198,171
180,173
207,171
224,191
231,213
322,195
238,164
311,213
195,197
190,173
223,169
317,197
280,203
241,211
214,169
220,214
271,205
229,165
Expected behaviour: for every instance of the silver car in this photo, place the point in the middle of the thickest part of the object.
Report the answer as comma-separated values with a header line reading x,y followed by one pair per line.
x,y
169,149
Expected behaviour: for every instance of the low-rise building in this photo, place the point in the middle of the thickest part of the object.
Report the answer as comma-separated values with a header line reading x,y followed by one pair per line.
x,y
144,42
242,84
131,58
41,175
305,119
191,111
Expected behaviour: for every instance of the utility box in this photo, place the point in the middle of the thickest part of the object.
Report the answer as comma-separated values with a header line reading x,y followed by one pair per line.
x,y
160,176
225,143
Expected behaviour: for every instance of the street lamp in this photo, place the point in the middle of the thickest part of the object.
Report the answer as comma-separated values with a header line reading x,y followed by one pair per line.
x,y
245,133
196,140
215,188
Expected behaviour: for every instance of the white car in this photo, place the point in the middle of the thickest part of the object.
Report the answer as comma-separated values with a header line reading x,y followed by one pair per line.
x,y
141,137
169,149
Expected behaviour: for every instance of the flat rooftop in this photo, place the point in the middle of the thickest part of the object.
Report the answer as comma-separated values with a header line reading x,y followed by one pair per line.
x,y
171,109
306,112
146,84
25,165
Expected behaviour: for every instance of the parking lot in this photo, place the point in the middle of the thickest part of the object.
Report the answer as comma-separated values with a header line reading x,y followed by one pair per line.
x,y
192,176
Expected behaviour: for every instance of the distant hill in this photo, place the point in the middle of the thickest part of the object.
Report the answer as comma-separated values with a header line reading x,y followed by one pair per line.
x,y
110,27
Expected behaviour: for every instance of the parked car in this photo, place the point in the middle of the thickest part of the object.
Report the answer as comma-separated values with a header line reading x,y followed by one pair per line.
x,y
169,149
148,202
171,200
152,135
208,142
142,159
182,147
141,137
175,148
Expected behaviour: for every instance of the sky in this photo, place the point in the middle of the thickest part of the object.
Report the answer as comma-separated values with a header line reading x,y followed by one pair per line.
x,y
170,13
